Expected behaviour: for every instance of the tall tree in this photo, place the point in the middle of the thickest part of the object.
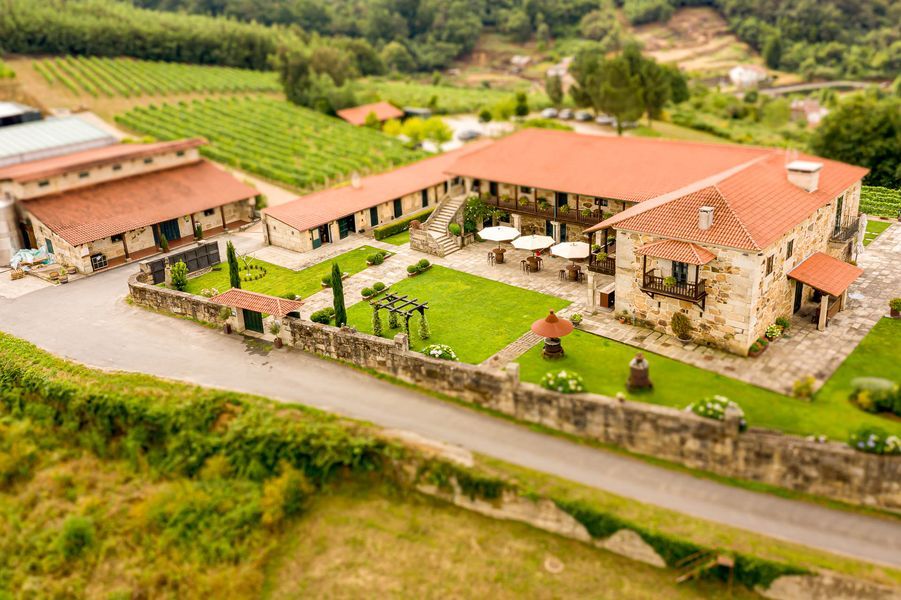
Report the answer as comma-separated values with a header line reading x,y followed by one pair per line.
x,y
338,296
553,87
655,89
620,92
234,271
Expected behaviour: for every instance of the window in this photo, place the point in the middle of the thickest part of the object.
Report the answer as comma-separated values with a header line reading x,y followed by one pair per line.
x,y
790,248
44,183
117,167
98,261
600,201
209,212
116,238
769,264
180,153
525,189
148,160
838,214
83,175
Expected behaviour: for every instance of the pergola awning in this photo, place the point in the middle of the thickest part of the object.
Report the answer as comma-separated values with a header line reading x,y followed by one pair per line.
x,y
257,302
675,250
826,274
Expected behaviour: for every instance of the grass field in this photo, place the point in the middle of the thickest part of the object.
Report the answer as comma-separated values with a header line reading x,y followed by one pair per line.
x,y
604,365
874,228
448,99
274,139
473,315
280,281
127,77
398,239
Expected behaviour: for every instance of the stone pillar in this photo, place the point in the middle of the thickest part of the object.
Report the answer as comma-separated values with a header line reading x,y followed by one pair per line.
x,y
592,293
401,342
238,318
516,221
167,274
824,308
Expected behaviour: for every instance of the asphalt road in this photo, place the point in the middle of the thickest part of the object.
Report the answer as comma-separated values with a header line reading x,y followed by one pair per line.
x,y
90,322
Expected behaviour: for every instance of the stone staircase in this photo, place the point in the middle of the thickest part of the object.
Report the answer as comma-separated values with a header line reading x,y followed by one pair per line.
x,y
436,225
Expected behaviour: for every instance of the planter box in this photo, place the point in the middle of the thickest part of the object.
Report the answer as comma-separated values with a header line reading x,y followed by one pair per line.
x,y
419,272
758,353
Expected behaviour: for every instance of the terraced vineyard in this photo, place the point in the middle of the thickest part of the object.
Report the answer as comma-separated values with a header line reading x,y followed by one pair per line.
x,y
880,201
126,77
449,99
274,139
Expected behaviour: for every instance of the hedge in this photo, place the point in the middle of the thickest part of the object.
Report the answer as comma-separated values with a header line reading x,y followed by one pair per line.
x,y
395,227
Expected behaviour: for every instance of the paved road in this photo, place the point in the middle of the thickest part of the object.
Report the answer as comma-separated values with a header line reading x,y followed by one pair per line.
x,y
90,322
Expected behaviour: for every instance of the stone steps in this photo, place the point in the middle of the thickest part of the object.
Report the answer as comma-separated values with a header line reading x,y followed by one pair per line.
x,y
439,221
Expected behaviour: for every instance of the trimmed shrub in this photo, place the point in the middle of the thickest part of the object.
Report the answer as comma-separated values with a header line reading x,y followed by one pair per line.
x,y
454,229
714,407
376,259
563,381
442,351
803,388
681,325
323,316
425,332
874,394
382,231
327,280
378,286
895,304
76,536
366,292
874,440
179,274
424,264
412,269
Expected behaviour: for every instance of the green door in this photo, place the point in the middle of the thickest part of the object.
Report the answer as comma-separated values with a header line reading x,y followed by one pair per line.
x,y
253,320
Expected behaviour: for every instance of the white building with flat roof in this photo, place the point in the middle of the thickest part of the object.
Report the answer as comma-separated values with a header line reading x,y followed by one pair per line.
x,y
48,138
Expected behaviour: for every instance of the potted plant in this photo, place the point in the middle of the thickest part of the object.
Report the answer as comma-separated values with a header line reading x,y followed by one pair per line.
x,y
54,275
585,212
454,229
275,328
63,276
773,331
576,319
895,307
669,281
224,313
623,317
681,326
542,204
525,201
595,249
71,270
563,209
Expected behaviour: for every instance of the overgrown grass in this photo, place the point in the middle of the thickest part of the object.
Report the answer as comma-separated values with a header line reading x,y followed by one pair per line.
x,y
279,281
441,98
604,365
473,315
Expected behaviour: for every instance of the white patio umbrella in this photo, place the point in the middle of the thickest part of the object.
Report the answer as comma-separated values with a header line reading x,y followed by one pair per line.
x,y
533,242
501,233
571,250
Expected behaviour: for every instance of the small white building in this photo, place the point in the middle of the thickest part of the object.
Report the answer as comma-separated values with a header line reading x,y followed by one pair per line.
x,y
748,76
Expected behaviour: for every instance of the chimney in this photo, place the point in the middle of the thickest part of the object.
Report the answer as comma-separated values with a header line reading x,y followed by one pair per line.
x,y
804,174
705,218
355,180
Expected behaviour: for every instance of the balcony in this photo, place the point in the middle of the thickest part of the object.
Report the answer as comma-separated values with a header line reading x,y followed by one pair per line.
x,y
655,285
545,209
607,266
843,234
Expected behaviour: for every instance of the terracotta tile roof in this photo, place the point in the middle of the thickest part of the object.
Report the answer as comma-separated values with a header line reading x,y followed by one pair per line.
x,y
753,207
631,169
40,169
383,111
270,305
826,273
325,206
675,250
92,213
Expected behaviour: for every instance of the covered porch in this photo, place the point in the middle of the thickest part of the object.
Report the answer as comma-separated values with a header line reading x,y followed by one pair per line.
x,y
828,280
251,310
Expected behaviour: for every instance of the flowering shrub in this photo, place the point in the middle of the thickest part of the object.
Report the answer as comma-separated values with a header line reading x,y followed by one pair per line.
x,y
576,318
563,381
209,292
714,407
441,351
774,331
874,440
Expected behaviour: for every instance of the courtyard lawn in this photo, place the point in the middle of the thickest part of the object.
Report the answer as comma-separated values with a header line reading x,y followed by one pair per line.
x,y
475,316
874,228
398,239
280,281
604,365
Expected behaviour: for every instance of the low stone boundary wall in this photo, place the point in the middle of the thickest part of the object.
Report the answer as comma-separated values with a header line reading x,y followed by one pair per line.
x,y
829,469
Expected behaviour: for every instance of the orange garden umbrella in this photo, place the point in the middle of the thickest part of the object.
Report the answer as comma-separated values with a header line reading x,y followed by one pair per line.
x,y
552,328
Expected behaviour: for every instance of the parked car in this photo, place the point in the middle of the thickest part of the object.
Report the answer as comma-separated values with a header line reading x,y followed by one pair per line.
x,y
583,115
604,120
566,114
468,134
549,113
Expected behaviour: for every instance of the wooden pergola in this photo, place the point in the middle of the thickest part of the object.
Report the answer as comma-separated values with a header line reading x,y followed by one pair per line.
x,y
403,306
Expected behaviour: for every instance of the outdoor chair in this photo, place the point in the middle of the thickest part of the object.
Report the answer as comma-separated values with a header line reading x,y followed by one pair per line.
x,y
562,274
491,258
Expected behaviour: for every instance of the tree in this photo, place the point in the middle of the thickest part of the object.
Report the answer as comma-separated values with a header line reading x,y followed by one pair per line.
x,y
293,68
414,129
338,64
620,92
517,24
655,89
522,105
553,87
397,58
377,326
586,71
164,242
435,129
772,51
234,271
372,121
678,85
338,296
864,130
179,275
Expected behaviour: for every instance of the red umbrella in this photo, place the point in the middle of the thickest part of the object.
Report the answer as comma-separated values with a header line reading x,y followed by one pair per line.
x,y
552,326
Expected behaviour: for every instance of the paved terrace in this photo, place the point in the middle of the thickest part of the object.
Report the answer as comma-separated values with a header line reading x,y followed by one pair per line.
x,y
805,351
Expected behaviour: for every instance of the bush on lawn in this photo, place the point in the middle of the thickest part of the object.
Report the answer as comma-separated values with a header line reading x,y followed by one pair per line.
x,y
383,231
714,407
378,286
803,388
376,259
323,316
874,440
874,394
366,292
179,274
563,381
419,267
442,351
681,325
327,280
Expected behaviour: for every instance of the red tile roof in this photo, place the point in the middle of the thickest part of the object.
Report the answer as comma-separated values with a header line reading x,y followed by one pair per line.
x,y
675,250
325,206
632,169
92,213
383,111
40,169
753,206
826,273
270,305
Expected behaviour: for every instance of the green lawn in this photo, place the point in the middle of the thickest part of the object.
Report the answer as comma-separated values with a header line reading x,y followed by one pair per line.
x,y
604,365
280,281
473,315
664,129
874,228
398,239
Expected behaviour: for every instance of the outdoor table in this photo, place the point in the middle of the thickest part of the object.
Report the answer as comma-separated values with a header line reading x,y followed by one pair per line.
x,y
534,263
572,272
499,255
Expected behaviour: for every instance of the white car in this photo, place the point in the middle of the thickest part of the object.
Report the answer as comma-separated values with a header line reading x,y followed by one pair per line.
x,y
604,120
566,114
549,113
583,115
468,134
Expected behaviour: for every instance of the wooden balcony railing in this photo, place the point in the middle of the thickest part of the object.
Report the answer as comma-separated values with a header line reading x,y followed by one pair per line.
x,y
607,266
694,292
546,210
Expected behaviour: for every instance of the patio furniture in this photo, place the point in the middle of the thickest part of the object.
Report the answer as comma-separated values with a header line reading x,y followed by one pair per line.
x,y
562,274
498,255
534,263
490,258
535,243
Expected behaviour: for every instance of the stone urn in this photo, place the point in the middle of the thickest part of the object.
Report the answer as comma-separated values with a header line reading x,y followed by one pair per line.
x,y
227,328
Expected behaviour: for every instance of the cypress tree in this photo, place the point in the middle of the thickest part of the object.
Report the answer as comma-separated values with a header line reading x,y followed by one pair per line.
x,y
376,322
164,242
234,271
338,296
424,331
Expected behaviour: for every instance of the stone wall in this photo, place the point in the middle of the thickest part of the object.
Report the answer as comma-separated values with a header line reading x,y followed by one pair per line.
x,y
828,469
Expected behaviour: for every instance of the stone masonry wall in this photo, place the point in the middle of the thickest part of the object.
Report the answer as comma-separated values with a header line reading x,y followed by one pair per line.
x,y
828,469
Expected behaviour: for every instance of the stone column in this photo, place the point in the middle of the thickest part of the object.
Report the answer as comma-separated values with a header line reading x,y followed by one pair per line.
x,y
516,221
401,342
592,295
238,318
824,308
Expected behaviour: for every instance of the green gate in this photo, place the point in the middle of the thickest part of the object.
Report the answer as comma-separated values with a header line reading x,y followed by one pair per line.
x,y
253,320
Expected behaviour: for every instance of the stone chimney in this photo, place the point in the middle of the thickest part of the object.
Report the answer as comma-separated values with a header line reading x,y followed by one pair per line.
x,y
804,174
705,218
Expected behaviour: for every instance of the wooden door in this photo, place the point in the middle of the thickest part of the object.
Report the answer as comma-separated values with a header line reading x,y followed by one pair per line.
x,y
253,320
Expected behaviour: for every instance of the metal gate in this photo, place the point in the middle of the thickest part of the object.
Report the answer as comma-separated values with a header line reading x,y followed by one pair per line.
x,y
200,257
253,320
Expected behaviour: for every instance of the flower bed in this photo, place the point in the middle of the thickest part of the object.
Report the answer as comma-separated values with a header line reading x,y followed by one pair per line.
x,y
563,381
714,407
442,351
